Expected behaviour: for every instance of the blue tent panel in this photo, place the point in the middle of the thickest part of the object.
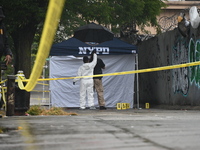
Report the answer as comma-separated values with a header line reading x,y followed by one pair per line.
x,y
76,47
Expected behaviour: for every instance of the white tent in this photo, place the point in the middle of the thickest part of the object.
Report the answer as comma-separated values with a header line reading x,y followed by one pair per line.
x,y
65,61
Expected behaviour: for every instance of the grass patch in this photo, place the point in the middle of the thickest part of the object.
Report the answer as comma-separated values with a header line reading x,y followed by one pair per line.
x,y
37,110
2,113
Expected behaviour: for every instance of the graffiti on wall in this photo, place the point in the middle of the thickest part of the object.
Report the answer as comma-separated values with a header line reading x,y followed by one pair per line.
x,y
184,53
194,55
180,75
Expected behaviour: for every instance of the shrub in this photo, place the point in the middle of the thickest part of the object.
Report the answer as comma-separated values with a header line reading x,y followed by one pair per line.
x,y
37,110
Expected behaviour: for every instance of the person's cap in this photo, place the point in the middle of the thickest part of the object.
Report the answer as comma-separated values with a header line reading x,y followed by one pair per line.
x,y
1,13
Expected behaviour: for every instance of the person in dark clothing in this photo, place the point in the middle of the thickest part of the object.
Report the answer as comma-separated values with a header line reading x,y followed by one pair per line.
x,y
4,47
98,82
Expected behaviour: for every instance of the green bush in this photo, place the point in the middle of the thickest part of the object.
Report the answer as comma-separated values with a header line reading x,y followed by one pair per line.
x,y
35,110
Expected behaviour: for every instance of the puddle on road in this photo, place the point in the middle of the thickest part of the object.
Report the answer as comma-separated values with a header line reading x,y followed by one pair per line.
x,y
26,134
6,129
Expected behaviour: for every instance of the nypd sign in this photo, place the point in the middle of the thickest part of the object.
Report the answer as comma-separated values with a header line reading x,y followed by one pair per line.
x,y
88,50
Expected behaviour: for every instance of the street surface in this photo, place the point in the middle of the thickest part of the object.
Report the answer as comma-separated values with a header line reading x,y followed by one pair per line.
x,y
131,129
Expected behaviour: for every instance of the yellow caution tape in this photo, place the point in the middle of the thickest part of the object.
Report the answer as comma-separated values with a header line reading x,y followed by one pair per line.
x,y
39,91
51,23
20,83
126,72
2,82
42,83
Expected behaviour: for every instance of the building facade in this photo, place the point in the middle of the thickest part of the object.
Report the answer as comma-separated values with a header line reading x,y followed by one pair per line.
x,y
168,17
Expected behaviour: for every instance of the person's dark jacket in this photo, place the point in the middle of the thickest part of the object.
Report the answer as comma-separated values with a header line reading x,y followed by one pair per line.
x,y
98,68
4,47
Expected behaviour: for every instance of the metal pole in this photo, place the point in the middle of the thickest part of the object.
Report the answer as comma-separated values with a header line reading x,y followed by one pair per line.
x,y
43,96
10,100
49,100
48,66
137,79
43,93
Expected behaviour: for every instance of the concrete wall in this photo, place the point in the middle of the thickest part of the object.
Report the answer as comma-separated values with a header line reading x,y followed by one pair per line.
x,y
171,87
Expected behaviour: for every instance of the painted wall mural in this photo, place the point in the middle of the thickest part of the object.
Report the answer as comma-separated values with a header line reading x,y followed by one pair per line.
x,y
175,86
194,53
181,75
184,53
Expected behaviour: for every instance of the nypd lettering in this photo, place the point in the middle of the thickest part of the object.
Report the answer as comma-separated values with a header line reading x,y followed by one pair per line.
x,y
88,50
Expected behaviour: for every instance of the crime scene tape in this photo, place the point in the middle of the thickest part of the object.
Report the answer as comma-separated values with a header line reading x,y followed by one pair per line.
x,y
2,82
54,11
42,83
122,73
39,91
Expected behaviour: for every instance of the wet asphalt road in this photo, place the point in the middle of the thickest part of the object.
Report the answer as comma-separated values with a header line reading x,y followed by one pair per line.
x,y
146,129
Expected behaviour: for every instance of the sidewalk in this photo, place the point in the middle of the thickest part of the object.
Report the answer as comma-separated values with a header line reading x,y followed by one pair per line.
x,y
145,129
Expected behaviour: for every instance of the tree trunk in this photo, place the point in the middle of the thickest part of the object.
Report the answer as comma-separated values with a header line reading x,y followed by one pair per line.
x,y
23,39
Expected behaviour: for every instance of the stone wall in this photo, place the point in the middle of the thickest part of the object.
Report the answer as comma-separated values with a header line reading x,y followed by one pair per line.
x,y
170,87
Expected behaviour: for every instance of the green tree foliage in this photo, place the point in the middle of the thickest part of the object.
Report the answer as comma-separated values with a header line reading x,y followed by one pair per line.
x,y
22,20
113,12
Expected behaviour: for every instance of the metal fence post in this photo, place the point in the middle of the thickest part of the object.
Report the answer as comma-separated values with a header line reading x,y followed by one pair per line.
x,y
10,96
